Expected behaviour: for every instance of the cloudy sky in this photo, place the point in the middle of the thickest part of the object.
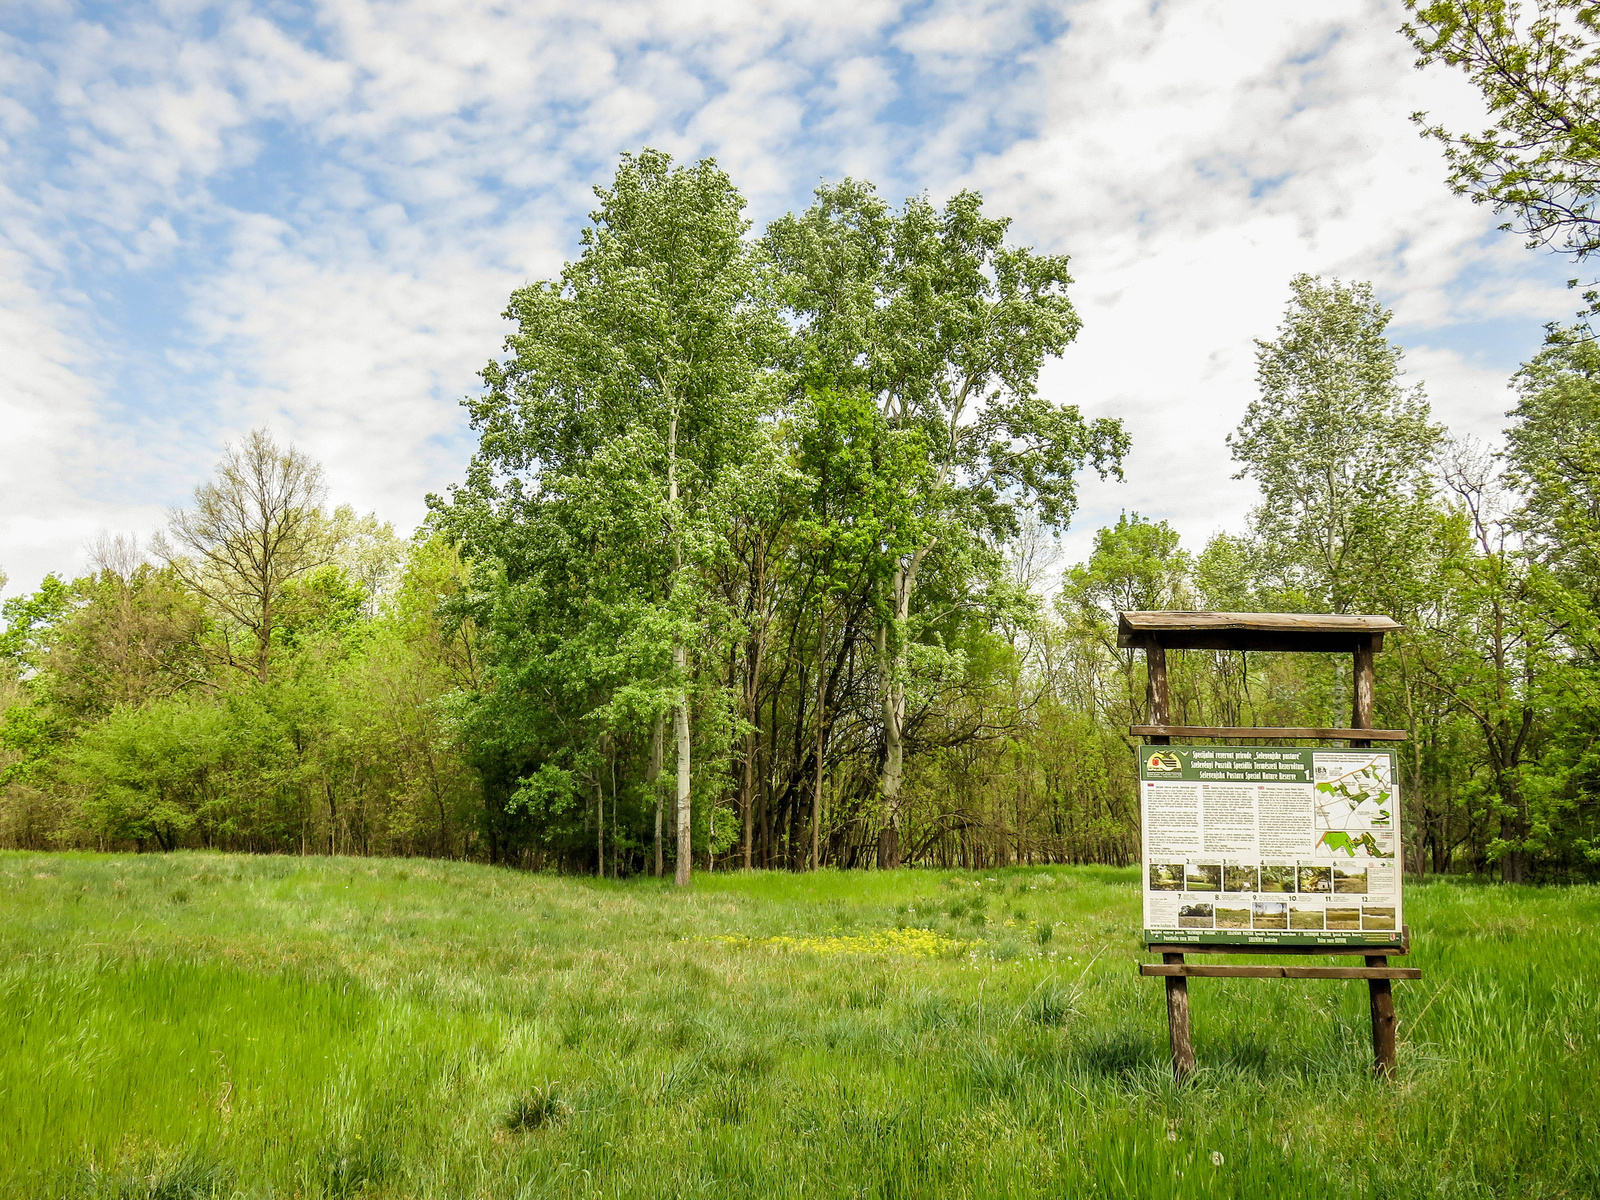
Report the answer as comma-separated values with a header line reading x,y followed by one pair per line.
x,y
309,214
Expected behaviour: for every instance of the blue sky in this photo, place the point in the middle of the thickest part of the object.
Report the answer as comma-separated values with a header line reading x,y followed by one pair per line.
x,y
310,214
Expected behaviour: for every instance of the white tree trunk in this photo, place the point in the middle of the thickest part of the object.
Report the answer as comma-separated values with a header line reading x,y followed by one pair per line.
x,y
680,664
894,708
680,723
892,687
816,793
658,737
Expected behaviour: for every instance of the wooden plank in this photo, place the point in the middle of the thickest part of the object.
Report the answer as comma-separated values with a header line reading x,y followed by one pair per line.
x,y
1150,620
1260,948
1268,733
1208,971
1239,639
1178,1021
1293,632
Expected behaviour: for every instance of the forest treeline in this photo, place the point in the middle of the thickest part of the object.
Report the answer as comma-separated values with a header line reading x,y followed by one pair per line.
x,y
755,566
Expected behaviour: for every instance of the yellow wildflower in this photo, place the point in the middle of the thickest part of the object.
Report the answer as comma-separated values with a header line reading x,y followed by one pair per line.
x,y
923,943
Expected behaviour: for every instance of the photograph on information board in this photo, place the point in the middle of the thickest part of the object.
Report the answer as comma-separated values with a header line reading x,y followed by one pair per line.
x,y
1269,844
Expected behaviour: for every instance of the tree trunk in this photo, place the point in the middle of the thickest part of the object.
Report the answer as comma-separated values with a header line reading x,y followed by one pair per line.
x,y
747,791
894,710
680,721
893,687
816,794
766,825
680,663
264,630
658,737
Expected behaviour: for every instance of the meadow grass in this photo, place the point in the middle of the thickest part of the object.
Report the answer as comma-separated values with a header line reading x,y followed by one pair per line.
x,y
195,1025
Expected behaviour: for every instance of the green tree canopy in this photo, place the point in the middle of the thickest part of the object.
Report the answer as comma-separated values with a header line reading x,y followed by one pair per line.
x,y
1553,456
1340,448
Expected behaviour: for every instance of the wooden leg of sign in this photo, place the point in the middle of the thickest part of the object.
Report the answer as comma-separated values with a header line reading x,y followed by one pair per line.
x,y
1178,1022
1361,704
1382,1003
1155,689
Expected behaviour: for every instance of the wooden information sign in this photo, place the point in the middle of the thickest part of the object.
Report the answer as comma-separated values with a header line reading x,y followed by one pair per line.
x,y
1260,849
1270,845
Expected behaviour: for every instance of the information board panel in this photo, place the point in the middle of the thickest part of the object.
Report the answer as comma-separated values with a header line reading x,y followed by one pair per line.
x,y
1270,845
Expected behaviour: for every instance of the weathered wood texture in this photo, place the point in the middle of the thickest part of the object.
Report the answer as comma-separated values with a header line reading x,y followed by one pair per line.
x,y
1155,691
1380,1000
1401,946
1270,733
1297,632
1178,1021
1361,701
1205,971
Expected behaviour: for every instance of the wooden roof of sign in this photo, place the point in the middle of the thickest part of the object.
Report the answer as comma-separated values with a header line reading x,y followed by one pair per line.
x,y
1253,631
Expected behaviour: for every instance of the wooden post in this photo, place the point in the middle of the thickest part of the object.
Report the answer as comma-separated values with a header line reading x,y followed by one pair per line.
x,y
1380,993
1381,1000
1155,661
1361,702
1178,1022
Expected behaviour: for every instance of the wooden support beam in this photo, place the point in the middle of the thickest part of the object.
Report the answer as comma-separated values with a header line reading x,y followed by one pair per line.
x,y
1198,971
1162,735
1178,1022
1361,702
1402,947
1380,997
1155,663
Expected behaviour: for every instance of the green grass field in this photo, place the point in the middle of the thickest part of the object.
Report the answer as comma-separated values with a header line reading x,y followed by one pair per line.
x,y
203,1025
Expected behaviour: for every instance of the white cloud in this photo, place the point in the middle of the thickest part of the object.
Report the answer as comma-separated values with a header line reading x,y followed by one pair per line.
x,y
48,415
1221,150
217,225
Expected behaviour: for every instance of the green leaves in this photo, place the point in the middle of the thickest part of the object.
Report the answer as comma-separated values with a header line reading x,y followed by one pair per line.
x,y
30,621
1539,74
862,491
624,440
546,794
931,314
663,318
1135,564
1342,454
1553,457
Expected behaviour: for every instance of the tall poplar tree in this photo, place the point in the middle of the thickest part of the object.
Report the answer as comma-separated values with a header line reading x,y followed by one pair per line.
x,y
1341,448
931,313
617,433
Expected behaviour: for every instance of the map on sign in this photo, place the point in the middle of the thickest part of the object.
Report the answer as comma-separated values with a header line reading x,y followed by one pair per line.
x,y
1355,808
1265,844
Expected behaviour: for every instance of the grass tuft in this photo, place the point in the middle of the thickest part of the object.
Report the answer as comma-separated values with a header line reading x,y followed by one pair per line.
x,y
537,1108
1050,1004
183,1175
